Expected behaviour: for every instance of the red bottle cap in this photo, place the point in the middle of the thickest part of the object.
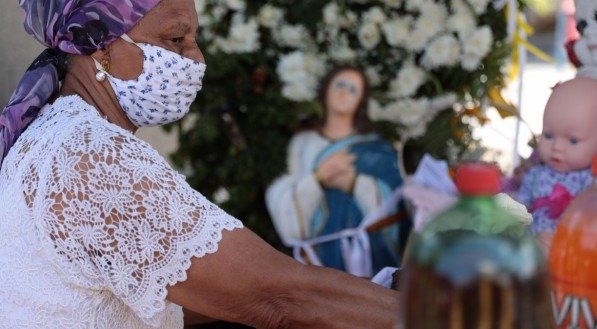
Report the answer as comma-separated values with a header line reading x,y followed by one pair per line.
x,y
594,166
478,178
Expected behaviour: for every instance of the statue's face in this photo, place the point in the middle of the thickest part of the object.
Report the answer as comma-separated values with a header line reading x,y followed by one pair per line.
x,y
345,92
569,138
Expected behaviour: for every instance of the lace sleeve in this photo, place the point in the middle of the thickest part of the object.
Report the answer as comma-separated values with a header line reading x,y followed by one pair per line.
x,y
120,218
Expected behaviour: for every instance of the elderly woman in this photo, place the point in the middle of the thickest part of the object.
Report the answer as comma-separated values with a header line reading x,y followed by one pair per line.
x,y
96,230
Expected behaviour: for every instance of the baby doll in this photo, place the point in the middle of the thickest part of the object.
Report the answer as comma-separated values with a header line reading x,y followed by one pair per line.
x,y
567,144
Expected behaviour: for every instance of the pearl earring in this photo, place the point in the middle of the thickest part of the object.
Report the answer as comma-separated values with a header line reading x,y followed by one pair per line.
x,y
100,76
103,67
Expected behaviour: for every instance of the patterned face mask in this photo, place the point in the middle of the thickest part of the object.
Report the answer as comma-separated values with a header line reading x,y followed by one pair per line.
x,y
164,90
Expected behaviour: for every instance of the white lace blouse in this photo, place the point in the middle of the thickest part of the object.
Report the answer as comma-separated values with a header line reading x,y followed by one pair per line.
x,y
94,225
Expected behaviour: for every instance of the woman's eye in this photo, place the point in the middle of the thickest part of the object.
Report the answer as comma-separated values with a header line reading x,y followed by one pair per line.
x,y
177,40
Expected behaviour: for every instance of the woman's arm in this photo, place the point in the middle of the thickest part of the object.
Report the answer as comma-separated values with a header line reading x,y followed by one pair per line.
x,y
249,282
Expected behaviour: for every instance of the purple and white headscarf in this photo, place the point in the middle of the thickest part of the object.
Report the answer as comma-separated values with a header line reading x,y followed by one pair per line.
x,y
65,27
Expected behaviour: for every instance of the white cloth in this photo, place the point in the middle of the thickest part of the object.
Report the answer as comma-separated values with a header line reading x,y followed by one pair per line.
x,y
384,277
94,225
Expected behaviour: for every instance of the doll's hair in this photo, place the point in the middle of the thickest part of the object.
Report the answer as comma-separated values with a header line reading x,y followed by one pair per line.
x,y
361,121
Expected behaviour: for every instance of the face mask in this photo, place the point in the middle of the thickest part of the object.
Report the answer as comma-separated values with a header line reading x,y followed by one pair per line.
x,y
164,90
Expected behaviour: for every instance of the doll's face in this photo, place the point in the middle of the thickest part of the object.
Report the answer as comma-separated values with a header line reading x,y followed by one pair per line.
x,y
569,138
345,92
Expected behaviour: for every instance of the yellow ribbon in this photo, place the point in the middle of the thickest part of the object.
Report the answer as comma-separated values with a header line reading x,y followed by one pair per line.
x,y
518,40
505,107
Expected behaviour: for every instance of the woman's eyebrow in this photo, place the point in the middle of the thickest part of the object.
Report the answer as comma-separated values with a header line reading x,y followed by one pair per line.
x,y
179,27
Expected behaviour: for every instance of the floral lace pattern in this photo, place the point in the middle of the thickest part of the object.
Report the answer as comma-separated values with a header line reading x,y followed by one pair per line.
x,y
94,225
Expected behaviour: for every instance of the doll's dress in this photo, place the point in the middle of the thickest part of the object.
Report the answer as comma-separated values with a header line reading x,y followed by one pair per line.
x,y
546,192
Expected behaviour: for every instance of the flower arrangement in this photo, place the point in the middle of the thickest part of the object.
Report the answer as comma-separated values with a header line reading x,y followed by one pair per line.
x,y
430,64
421,56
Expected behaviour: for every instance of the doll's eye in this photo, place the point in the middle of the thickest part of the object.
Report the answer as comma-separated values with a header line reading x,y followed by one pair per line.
x,y
581,26
547,135
573,141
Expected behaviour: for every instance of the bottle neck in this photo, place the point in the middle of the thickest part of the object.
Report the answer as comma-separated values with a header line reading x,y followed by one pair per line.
x,y
478,201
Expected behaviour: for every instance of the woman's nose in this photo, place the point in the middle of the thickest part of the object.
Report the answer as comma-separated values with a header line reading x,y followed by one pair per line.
x,y
195,54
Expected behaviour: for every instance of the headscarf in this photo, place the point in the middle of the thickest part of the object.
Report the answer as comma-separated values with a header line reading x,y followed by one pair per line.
x,y
66,27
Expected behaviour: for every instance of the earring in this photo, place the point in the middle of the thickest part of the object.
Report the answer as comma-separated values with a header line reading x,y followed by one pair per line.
x,y
105,66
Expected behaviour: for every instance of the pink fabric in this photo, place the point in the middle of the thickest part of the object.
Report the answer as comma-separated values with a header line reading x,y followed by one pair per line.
x,y
556,201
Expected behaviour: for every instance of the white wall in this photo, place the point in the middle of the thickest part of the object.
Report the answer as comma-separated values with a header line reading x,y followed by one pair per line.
x,y
17,52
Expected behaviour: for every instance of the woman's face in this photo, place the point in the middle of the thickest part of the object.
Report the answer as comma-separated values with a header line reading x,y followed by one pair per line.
x,y
172,25
344,93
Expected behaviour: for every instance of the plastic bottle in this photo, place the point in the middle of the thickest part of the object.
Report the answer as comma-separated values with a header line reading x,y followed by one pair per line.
x,y
475,265
573,262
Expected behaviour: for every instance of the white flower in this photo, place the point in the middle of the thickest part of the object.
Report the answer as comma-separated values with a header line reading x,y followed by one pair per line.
x,y
479,42
200,6
408,111
442,51
374,16
298,92
369,36
238,5
205,18
463,22
435,12
334,17
331,14
243,37
479,6
414,4
218,13
470,62
350,19
341,50
424,29
291,35
300,73
375,111
442,102
416,130
396,31
270,16
373,76
409,79
221,195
